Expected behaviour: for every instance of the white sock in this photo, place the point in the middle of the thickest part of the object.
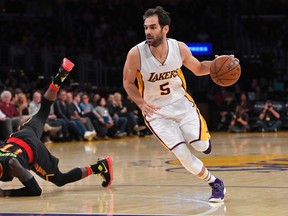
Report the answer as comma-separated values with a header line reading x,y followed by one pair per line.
x,y
207,176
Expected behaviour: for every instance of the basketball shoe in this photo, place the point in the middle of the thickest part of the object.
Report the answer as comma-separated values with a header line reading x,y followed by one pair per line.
x,y
63,72
107,172
218,191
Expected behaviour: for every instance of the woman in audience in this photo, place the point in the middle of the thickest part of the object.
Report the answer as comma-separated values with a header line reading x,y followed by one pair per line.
x,y
102,109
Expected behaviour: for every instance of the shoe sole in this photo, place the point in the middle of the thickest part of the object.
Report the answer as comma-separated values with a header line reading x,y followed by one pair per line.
x,y
90,137
217,200
110,169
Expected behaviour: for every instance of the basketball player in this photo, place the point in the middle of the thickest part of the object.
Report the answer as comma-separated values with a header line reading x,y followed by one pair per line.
x,y
23,151
169,111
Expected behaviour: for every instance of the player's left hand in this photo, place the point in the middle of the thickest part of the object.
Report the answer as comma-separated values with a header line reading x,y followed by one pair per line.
x,y
229,55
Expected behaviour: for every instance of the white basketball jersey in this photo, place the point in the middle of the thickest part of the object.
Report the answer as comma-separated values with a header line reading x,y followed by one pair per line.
x,y
161,84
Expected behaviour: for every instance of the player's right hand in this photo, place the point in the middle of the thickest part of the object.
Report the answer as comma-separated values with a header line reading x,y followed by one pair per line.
x,y
148,109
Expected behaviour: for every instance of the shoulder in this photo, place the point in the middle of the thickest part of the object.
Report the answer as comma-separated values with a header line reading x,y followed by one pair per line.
x,y
135,51
184,50
182,45
133,57
141,44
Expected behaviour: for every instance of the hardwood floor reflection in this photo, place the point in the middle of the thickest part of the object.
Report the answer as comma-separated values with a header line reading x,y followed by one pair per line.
x,y
148,180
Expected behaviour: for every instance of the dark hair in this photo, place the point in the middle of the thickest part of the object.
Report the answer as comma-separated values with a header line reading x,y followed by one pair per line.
x,y
163,16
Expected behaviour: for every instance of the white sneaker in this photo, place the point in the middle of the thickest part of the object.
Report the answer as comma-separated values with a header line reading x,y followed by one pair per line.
x,y
139,128
89,135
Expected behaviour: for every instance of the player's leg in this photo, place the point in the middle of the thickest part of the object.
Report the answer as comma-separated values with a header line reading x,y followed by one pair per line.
x,y
102,167
196,167
187,125
196,133
195,130
40,118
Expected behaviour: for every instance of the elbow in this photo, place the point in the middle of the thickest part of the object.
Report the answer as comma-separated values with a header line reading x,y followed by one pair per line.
x,y
125,84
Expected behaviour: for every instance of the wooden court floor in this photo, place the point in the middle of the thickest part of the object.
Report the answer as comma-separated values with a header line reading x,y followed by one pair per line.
x,y
149,181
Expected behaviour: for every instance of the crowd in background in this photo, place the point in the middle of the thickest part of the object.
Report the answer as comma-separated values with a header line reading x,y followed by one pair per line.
x,y
96,35
80,115
77,116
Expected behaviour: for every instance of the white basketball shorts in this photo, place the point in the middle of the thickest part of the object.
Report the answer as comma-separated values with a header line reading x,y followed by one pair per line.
x,y
178,123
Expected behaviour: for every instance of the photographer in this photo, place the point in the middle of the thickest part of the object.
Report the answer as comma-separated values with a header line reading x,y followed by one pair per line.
x,y
240,121
269,118
226,113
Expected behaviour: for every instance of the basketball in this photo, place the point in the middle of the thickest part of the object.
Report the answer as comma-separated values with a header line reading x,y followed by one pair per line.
x,y
225,70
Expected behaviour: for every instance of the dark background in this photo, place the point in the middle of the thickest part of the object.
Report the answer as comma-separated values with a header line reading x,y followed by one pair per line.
x,y
35,35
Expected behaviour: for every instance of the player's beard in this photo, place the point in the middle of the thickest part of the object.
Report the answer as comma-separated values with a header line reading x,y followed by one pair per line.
x,y
156,41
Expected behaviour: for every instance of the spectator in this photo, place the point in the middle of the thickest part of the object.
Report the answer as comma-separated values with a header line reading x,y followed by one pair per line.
x,y
244,102
75,114
122,111
102,109
35,104
269,119
76,127
50,130
14,99
59,130
134,116
120,121
96,98
23,106
226,112
10,111
87,110
240,120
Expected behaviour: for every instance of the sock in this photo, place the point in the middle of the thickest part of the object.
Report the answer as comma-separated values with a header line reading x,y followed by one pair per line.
x,y
89,170
207,176
97,168
62,74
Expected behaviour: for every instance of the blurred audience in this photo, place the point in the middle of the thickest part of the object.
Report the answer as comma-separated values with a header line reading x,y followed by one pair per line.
x,y
23,106
75,114
240,120
87,110
227,109
269,118
76,128
115,112
244,102
101,108
10,114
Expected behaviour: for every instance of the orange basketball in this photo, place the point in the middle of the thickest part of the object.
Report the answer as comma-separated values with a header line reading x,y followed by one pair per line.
x,y
225,70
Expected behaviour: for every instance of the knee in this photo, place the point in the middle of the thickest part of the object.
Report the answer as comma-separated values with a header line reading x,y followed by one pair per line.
x,y
182,154
202,146
209,149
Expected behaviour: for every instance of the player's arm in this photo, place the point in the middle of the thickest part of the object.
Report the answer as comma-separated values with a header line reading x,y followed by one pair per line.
x,y
31,186
193,64
132,65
